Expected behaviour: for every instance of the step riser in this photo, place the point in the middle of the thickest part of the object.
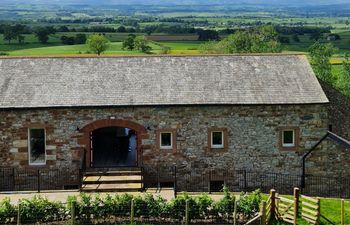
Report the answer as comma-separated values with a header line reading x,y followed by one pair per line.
x,y
112,182
113,190
90,174
113,169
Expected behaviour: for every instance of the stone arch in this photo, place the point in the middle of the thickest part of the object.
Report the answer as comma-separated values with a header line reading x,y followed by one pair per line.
x,y
84,140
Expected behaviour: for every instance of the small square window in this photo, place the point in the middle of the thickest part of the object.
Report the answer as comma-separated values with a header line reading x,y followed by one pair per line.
x,y
166,140
217,139
288,138
37,148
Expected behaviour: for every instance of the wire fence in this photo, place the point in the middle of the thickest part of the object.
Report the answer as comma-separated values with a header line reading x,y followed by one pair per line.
x,y
182,180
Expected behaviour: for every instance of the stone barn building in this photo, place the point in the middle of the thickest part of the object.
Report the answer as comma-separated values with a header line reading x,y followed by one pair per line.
x,y
62,118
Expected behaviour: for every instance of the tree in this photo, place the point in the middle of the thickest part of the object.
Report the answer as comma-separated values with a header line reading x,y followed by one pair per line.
x,y
80,39
295,38
315,36
97,43
141,44
63,29
320,60
121,29
9,34
208,35
256,40
284,39
129,42
344,81
18,30
67,40
42,33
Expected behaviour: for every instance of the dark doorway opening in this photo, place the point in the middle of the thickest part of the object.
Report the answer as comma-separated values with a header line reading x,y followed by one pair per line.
x,y
113,147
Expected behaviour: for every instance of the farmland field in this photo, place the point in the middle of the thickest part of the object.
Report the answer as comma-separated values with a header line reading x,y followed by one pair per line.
x,y
115,48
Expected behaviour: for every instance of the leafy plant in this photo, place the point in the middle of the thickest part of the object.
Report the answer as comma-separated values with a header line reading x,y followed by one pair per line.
x,y
205,205
248,203
225,206
40,209
7,211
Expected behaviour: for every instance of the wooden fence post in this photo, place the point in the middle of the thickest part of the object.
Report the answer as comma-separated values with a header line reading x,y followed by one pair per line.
x,y
235,213
132,212
273,203
318,210
342,212
296,205
186,212
72,212
19,213
263,213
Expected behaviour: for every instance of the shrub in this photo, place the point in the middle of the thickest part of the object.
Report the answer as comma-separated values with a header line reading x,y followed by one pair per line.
x,y
7,211
4,53
39,209
176,207
150,206
225,206
248,204
205,205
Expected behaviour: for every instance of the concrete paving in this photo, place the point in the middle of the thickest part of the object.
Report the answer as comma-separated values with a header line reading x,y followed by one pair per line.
x,y
166,193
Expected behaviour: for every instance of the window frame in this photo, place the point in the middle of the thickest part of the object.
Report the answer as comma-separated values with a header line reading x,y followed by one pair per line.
x,y
166,149
214,146
221,148
29,147
296,138
288,145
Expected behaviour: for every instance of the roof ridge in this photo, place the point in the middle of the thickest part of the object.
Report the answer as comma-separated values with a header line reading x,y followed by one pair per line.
x,y
148,56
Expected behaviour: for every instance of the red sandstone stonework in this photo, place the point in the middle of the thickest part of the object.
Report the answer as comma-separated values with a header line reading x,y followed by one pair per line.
x,y
252,135
84,139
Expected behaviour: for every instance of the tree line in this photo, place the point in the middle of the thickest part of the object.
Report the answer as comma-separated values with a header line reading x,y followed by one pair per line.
x,y
320,55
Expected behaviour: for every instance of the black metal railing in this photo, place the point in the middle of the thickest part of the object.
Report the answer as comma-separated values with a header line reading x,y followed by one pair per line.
x,y
181,179
212,180
18,179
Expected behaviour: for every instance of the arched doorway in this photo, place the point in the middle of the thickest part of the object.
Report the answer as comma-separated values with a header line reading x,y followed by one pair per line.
x,y
113,147
112,143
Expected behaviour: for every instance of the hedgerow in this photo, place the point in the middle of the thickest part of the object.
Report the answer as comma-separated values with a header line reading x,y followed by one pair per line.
x,y
95,207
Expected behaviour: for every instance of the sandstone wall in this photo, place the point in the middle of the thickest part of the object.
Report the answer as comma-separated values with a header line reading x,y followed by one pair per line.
x,y
252,134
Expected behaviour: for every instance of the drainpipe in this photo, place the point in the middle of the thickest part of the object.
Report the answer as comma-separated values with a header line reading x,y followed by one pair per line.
x,y
306,155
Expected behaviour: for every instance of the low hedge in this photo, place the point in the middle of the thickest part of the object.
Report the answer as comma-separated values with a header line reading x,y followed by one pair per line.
x,y
95,207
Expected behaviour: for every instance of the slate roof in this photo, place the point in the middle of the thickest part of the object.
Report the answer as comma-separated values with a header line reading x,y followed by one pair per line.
x,y
157,80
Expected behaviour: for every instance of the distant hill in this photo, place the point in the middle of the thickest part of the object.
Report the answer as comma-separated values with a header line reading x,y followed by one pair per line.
x,y
178,2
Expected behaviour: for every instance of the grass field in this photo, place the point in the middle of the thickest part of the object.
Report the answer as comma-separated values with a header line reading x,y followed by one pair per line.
x,y
330,208
115,48
179,44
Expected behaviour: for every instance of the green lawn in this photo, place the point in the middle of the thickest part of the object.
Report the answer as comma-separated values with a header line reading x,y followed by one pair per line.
x,y
330,208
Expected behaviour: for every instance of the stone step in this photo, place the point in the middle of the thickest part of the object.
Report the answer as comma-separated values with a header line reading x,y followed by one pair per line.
x,y
112,179
113,169
113,173
129,187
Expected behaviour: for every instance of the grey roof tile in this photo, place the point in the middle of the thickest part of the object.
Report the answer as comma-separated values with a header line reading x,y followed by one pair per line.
x,y
158,80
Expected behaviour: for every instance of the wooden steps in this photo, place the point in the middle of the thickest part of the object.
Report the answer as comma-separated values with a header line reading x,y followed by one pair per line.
x,y
112,180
